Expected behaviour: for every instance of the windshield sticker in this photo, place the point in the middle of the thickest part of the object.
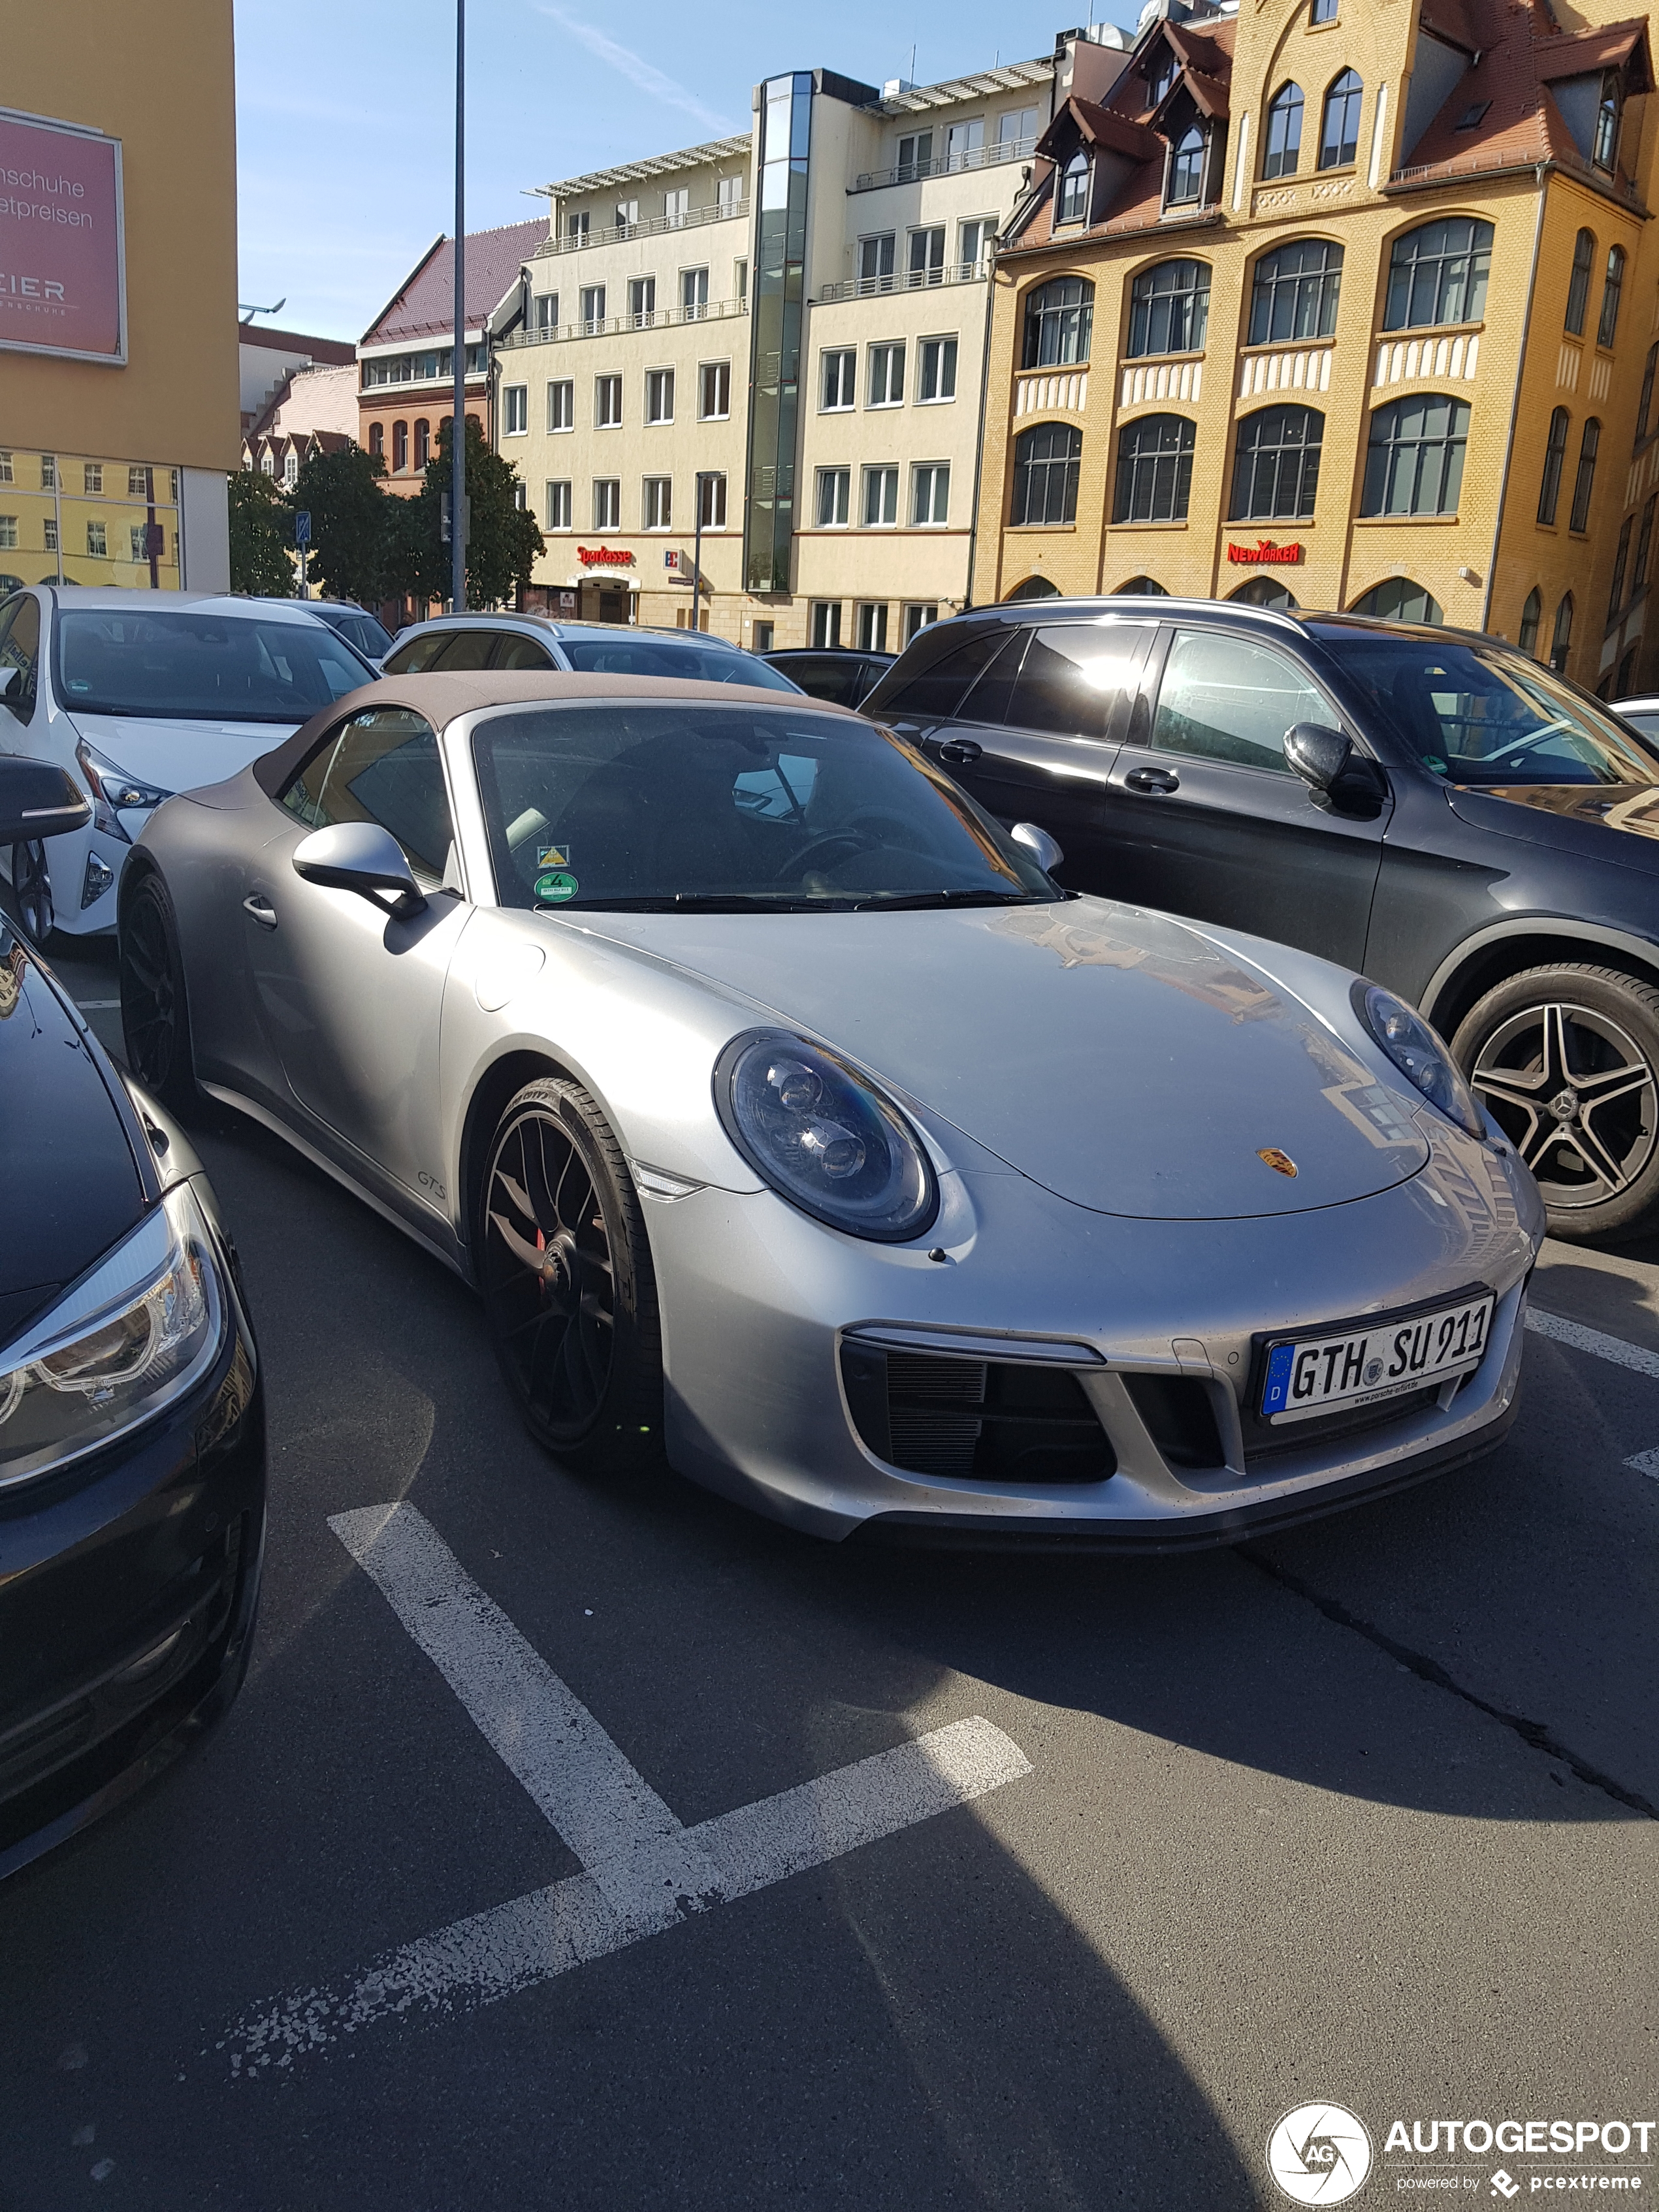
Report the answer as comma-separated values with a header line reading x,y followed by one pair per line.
x,y
555,887
553,856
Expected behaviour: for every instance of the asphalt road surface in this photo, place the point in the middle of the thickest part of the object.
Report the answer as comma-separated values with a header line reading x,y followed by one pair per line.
x,y
1367,1813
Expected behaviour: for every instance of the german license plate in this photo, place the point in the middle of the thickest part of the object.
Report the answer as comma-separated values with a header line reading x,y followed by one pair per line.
x,y
1311,1375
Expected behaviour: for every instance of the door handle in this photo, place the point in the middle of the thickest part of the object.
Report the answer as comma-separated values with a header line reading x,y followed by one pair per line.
x,y
262,911
960,753
1158,782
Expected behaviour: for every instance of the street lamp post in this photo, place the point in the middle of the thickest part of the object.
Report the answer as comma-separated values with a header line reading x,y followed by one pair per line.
x,y
457,422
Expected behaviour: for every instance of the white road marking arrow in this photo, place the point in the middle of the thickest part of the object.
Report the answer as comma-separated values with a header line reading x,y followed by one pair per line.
x,y
643,1871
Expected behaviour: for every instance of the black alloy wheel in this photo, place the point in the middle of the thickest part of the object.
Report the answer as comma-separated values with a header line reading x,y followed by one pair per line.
x,y
1564,1061
31,889
569,1291
155,1008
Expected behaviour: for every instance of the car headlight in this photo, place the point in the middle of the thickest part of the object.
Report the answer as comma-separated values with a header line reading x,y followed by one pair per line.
x,y
1421,1056
133,1334
112,787
824,1137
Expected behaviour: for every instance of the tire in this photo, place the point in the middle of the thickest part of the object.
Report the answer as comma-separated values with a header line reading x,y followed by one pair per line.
x,y
31,890
155,1005
570,1297
1566,1061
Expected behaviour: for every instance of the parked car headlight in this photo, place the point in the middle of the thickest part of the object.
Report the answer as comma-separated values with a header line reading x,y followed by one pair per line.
x,y
133,1334
824,1137
112,787
1421,1056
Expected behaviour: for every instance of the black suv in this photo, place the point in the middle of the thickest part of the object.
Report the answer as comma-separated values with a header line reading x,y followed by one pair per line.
x,y
1428,806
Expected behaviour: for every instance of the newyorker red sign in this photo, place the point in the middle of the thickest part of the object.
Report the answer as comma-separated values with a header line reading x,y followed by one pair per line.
x,y
62,277
1264,554
604,556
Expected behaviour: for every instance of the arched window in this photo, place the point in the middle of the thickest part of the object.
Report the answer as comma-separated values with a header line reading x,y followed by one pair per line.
x,y
1398,599
1620,562
1295,292
422,443
1414,462
1276,469
1612,288
1158,72
1437,274
1281,149
1585,481
1154,470
1266,591
1554,453
1562,637
1531,615
399,446
1169,308
1142,588
377,438
268,463
1338,135
1035,587
1058,318
1605,149
1074,189
1187,169
1583,260
1045,474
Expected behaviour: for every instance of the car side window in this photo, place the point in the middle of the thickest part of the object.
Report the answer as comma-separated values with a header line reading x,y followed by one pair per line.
x,y
20,648
1073,678
466,648
939,690
383,766
517,652
418,655
1226,699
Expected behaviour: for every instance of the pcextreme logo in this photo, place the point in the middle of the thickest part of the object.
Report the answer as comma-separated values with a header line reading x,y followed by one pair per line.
x,y
1321,2153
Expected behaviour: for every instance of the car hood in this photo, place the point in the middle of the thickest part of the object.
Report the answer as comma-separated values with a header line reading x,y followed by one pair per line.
x,y
1615,822
179,756
1125,1059
72,1185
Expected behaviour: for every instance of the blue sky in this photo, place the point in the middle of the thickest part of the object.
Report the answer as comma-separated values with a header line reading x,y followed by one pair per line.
x,y
344,106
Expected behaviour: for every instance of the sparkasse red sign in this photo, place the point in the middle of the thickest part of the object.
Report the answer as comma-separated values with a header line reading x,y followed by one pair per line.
x,y
604,556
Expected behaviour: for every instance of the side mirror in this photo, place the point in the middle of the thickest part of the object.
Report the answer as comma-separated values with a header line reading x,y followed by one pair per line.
x,y
38,800
1319,757
361,857
1043,849
9,681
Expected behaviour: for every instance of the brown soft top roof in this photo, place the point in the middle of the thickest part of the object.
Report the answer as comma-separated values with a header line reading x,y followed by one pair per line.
x,y
443,699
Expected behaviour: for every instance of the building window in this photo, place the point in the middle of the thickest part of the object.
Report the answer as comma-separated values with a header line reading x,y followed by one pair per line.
x,y
399,447
290,470
715,391
1437,274
927,256
6,476
520,500
592,297
97,542
1555,454
423,435
561,405
607,403
886,387
1322,11
694,294
1154,470
1059,323
48,471
1531,615
1187,169
607,503
659,502
1338,136
1158,73
576,227
740,291
728,195
1266,591
627,215
711,500
1612,288
1046,462
938,365
50,527
880,497
558,504
1282,147
873,626
964,144
826,624
876,262
659,395
641,301
1398,599
376,440
544,311
1645,402
1644,547
930,493
762,635
1169,309
917,619
1620,562
1414,465
1276,470
1295,293
1074,189
1604,152
1562,637
138,483
838,388
835,493
268,461
92,474
515,412
976,240
1585,481
915,155
677,205
137,534
1583,260
8,533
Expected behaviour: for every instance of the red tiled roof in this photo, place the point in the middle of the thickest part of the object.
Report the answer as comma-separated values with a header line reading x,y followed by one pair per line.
x,y
1102,128
1581,53
425,307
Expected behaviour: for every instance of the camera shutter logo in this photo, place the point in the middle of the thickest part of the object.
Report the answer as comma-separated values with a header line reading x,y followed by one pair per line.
x,y
1319,2154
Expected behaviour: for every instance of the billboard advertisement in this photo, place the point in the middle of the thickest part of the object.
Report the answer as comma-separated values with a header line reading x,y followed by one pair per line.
x,y
62,261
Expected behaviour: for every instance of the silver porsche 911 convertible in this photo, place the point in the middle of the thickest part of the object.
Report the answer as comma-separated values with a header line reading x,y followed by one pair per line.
x,y
792,1122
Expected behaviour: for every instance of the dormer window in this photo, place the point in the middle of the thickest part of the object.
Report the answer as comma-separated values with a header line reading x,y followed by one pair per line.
x,y
1187,169
1159,73
1606,151
1074,189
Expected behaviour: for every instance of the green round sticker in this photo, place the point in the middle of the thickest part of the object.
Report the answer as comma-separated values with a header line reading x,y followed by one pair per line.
x,y
555,887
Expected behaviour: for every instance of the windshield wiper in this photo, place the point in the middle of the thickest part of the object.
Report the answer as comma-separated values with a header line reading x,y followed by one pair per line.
x,y
699,902
911,901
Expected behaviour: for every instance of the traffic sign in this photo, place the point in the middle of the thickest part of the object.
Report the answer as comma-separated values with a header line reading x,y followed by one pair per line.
x,y
302,526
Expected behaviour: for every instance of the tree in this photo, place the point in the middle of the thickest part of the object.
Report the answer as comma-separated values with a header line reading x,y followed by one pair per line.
x,y
351,529
261,530
503,540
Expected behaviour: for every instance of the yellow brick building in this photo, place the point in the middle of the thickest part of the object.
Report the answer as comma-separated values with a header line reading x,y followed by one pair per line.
x,y
1344,306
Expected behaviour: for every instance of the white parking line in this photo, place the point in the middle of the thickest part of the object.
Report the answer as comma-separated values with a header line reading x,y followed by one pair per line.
x,y
643,1870
1635,1356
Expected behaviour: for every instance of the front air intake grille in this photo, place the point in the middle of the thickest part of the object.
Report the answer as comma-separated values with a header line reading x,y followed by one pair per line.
x,y
976,1420
1179,1418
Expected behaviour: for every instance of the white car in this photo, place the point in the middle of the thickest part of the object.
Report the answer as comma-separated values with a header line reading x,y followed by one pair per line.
x,y
138,696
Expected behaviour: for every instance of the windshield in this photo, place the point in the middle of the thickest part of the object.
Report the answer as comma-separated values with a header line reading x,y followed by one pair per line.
x,y
658,807
201,667
1478,714
628,654
362,631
